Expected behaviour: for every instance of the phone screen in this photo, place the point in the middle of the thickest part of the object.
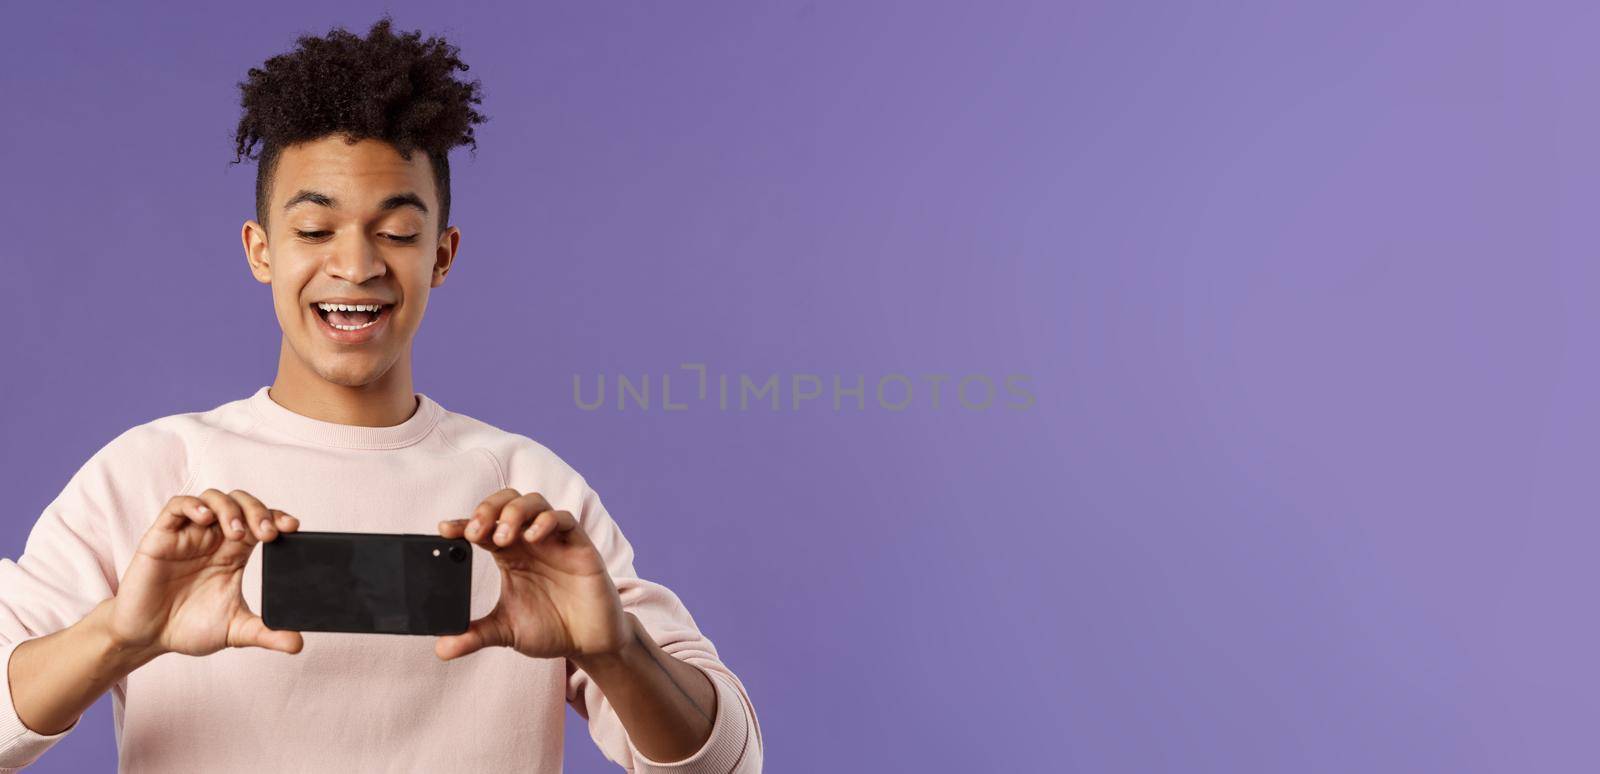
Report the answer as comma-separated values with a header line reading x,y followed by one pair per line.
x,y
366,583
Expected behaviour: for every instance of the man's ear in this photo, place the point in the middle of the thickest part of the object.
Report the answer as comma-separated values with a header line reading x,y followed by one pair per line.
x,y
444,255
254,236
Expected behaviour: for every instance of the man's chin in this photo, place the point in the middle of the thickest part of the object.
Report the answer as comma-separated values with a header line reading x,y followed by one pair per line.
x,y
353,371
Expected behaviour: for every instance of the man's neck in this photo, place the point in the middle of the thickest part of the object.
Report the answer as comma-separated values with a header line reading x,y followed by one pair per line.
x,y
386,402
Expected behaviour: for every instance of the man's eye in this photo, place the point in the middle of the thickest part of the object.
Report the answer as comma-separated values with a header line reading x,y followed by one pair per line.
x,y
401,238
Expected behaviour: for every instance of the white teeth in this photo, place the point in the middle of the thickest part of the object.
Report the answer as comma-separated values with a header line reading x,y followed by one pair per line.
x,y
373,308
349,307
352,327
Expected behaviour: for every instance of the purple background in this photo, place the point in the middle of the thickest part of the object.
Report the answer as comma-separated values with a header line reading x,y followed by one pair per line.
x,y
1303,293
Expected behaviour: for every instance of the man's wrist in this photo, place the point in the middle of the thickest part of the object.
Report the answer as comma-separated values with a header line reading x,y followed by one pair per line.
x,y
119,656
596,664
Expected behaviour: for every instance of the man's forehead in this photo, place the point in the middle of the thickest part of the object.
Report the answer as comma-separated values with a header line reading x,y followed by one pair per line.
x,y
307,196
370,173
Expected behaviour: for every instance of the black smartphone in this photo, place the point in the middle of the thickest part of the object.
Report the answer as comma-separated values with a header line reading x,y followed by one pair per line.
x,y
363,582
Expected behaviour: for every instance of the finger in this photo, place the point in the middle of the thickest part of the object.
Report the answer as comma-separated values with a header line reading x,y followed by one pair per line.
x,y
184,510
258,519
285,522
249,631
549,523
229,513
485,632
453,528
481,524
517,513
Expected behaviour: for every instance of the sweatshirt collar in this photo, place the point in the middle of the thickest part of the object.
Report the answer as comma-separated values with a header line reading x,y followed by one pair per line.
x,y
322,433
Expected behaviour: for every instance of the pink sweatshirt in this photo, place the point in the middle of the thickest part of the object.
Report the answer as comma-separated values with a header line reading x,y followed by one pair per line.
x,y
347,702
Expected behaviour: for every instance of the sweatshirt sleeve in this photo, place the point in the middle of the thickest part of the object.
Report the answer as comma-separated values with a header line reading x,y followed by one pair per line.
x,y
67,567
734,746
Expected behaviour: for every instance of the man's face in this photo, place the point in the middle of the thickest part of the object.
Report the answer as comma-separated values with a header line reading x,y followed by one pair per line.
x,y
346,228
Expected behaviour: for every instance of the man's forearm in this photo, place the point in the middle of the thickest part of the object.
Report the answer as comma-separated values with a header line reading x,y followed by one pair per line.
x,y
55,678
666,704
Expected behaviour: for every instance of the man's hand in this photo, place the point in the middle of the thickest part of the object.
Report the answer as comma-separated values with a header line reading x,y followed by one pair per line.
x,y
556,598
181,593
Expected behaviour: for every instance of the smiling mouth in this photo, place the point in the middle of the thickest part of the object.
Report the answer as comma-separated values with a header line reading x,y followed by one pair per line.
x,y
347,317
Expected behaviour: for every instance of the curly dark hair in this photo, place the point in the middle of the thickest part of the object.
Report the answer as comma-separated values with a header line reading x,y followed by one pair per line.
x,y
393,87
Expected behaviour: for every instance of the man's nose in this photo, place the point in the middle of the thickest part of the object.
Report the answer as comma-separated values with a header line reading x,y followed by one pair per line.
x,y
355,260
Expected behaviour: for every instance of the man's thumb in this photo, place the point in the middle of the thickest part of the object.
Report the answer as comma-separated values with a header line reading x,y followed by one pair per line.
x,y
482,633
253,633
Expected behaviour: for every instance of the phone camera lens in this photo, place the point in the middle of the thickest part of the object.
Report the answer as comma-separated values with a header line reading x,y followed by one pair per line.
x,y
457,553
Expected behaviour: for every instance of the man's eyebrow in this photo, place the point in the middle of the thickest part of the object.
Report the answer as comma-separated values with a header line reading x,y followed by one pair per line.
x,y
309,196
407,199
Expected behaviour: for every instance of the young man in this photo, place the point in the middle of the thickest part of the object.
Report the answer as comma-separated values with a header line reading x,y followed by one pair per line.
x,y
141,576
